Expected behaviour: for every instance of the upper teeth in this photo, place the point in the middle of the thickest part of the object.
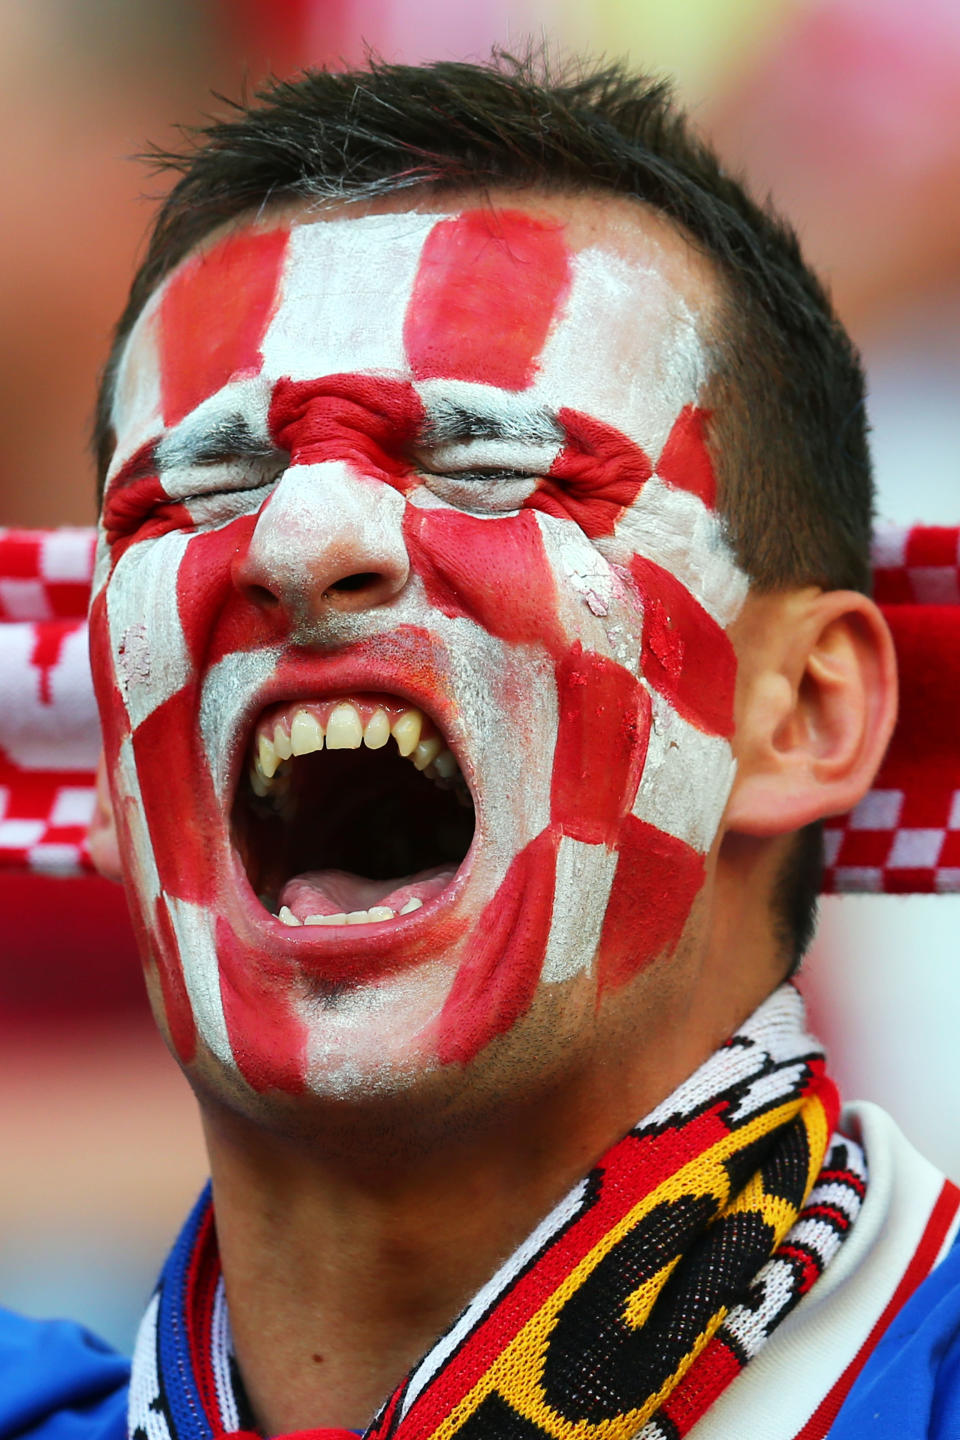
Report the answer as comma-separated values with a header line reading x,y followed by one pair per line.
x,y
346,726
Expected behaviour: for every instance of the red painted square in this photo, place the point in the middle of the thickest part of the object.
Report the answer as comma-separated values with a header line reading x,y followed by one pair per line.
x,y
601,746
489,286
656,882
687,657
214,315
685,460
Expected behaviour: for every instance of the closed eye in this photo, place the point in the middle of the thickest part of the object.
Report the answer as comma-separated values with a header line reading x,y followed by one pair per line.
x,y
244,495
485,474
216,489
487,457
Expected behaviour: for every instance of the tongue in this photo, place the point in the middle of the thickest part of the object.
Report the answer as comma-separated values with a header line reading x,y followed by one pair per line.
x,y
337,892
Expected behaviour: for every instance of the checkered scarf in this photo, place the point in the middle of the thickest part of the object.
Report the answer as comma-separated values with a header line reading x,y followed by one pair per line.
x,y
903,837
630,1307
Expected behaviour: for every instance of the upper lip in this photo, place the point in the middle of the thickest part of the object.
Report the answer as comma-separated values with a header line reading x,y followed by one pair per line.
x,y
333,677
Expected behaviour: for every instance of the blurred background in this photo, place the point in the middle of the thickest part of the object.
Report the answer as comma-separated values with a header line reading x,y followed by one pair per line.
x,y
847,111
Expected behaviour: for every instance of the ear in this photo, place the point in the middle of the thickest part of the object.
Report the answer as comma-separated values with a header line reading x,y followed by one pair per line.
x,y
816,705
102,835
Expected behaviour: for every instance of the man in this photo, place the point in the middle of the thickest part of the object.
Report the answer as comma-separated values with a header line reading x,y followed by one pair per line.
x,y
480,633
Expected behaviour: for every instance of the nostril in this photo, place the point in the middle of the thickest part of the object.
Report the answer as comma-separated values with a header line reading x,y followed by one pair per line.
x,y
363,580
260,595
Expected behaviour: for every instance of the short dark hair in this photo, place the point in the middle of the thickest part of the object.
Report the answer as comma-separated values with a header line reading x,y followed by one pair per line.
x,y
788,433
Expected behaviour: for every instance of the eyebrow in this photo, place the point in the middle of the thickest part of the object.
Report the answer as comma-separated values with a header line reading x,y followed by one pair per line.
x,y
219,440
448,421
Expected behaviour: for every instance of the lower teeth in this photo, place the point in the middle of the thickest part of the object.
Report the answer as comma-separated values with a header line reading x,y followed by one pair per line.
x,y
373,916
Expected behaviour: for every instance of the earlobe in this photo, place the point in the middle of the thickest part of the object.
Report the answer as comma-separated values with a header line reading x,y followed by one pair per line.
x,y
102,835
816,708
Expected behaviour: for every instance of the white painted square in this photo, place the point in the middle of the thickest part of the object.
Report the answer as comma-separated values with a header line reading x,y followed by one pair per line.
x,y
878,810
686,778
584,879
947,880
344,295
24,600
676,530
953,823
73,805
137,403
152,663
832,840
915,849
193,926
600,370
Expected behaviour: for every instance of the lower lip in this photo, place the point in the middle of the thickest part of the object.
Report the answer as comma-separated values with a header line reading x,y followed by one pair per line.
x,y
353,954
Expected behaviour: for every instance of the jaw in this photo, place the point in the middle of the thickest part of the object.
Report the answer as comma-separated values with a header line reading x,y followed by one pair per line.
x,y
353,1003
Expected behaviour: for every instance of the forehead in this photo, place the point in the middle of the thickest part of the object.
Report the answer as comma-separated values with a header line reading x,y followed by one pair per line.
x,y
590,302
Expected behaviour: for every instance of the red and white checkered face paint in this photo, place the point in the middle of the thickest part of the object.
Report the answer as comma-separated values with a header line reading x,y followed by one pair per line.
x,y
408,488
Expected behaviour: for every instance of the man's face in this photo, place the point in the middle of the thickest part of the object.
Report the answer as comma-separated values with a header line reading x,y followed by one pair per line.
x,y
409,633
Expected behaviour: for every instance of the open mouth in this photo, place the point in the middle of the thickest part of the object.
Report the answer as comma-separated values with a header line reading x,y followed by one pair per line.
x,y
352,811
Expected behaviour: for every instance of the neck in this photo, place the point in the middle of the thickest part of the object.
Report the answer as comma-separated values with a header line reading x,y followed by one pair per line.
x,y
338,1279
345,1256
340,1272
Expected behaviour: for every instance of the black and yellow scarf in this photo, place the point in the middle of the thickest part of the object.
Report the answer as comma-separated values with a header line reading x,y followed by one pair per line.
x,y
627,1311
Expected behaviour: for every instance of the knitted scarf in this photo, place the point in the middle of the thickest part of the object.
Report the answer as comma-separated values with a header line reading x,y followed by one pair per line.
x,y
629,1308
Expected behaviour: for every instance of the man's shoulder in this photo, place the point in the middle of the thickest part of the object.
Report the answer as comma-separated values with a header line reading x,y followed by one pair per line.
x,y
909,1383
59,1382
821,1371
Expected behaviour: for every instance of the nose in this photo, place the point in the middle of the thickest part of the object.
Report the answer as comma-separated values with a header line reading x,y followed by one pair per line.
x,y
327,541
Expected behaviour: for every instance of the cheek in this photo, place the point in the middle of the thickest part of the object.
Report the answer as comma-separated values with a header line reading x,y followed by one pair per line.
x,y
146,648
157,621
176,1001
655,884
174,785
267,1038
601,746
156,938
604,716
495,572
686,656
148,685
500,972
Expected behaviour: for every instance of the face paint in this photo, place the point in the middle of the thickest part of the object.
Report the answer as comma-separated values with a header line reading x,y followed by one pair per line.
x,y
431,493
